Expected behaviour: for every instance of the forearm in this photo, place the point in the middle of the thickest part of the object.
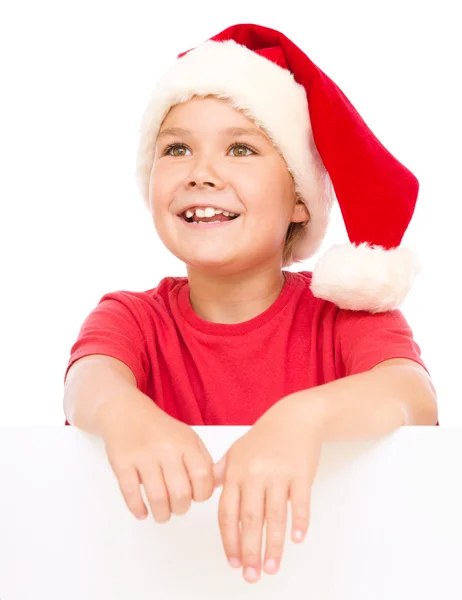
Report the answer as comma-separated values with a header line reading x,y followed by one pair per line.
x,y
98,390
369,404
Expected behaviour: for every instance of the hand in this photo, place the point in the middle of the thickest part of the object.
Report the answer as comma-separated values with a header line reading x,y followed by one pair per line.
x,y
273,462
145,445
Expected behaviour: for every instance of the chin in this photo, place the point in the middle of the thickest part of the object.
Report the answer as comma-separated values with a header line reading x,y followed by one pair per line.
x,y
207,262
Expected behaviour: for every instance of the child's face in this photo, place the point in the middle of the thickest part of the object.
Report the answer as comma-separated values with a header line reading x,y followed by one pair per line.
x,y
239,172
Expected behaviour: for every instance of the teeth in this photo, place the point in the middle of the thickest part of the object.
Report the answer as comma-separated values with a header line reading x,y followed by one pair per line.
x,y
208,212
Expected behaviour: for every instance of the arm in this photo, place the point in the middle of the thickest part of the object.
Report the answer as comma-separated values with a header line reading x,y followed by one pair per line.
x,y
98,386
394,393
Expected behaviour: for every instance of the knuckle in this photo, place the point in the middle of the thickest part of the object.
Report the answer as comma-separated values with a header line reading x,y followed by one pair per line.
x,y
133,500
224,517
257,469
129,486
301,521
200,473
180,495
123,471
301,513
166,447
275,545
135,505
232,478
156,497
264,469
276,516
250,517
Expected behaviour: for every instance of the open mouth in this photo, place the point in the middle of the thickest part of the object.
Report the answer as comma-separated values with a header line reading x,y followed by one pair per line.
x,y
202,225
220,218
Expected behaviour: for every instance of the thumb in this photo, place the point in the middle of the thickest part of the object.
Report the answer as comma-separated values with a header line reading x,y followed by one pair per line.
x,y
219,471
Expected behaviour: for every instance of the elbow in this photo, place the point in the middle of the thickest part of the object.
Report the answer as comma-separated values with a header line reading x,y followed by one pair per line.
x,y
419,399
432,410
430,406
426,412
67,409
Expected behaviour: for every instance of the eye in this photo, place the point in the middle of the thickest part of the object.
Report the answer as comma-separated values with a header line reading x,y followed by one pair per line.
x,y
240,150
176,150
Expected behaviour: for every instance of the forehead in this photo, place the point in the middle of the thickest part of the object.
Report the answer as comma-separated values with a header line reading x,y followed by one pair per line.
x,y
216,115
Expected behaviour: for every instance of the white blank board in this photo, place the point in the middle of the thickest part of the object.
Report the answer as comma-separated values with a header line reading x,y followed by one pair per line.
x,y
386,523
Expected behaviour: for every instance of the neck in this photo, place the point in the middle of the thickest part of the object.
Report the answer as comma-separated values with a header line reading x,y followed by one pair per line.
x,y
234,298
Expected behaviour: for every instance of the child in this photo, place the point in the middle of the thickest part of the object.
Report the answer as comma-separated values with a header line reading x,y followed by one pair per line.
x,y
242,145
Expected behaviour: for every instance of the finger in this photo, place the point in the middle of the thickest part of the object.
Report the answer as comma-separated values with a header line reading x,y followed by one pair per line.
x,y
129,483
276,500
252,521
219,470
200,474
228,520
203,449
178,485
300,497
156,492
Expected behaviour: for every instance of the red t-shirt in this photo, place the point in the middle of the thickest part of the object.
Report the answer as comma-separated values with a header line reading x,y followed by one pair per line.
x,y
206,373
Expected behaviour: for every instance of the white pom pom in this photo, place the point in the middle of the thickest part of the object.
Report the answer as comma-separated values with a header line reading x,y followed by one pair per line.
x,y
365,277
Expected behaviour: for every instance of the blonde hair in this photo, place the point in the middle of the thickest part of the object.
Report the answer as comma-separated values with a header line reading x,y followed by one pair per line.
x,y
295,232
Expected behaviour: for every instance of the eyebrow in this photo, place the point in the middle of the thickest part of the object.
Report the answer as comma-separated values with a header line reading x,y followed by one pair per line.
x,y
229,132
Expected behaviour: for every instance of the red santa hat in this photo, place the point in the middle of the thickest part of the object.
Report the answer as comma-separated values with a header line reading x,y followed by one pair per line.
x,y
328,148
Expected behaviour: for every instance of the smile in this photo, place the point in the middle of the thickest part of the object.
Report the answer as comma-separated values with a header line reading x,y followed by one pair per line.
x,y
201,226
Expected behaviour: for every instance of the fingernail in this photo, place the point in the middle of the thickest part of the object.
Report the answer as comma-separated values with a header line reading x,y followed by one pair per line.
x,y
235,562
251,573
298,535
270,564
142,516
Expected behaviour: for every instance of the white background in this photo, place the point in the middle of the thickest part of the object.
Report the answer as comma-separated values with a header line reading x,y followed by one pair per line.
x,y
75,79
388,538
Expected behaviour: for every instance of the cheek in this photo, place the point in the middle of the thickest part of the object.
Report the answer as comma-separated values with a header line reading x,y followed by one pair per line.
x,y
268,185
254,180
162,184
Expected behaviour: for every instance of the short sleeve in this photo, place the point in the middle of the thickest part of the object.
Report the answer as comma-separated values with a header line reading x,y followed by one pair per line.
x,y
362,340
114,328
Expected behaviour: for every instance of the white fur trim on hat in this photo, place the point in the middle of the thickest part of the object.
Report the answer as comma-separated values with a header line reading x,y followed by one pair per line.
x,y
264,92
365,278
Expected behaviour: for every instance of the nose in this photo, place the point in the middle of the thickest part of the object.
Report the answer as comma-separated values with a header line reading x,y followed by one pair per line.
x,y
201,184
203,176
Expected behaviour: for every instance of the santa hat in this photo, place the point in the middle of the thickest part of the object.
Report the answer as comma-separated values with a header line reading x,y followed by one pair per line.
x,y
328,148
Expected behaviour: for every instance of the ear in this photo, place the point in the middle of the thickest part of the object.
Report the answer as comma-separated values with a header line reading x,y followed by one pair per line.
x,y
300,212
219,471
